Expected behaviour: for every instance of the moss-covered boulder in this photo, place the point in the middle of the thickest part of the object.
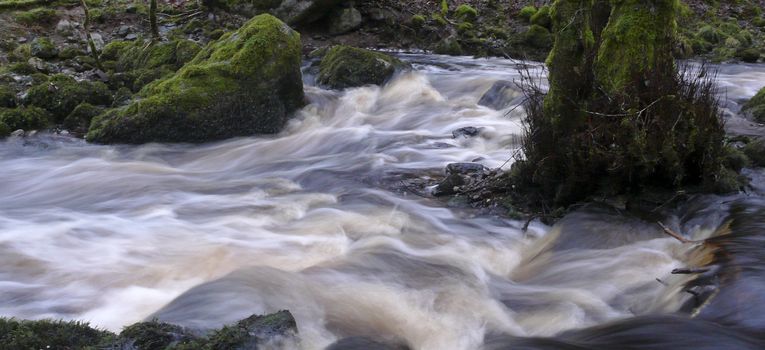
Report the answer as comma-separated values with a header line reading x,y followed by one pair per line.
x,y
7,97
25,118
344,67
254,331
48,334
152,335
79,119
755,107
43,48
62,93
248,82
131,55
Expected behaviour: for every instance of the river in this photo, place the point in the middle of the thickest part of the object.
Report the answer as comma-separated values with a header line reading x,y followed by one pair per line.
x,y
308,220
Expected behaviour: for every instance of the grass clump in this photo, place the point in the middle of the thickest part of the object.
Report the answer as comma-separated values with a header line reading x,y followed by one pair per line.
x,y
38,16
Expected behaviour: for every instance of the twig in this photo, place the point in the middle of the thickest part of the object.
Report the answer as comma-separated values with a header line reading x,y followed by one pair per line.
x,y
674,234
690,270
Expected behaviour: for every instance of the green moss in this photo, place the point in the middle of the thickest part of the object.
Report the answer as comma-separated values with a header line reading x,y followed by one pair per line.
x,y
26,118
251,331
755,151
48,334
5,130
749,55
710,34
464,27
43,48
417,21
542,17
756,106
112,50
22,68
22,53
538,36
438,19
70,52
732,43
38,16
466,12
734,158
527,12
7,97
145,76
79,119
139,55
448,46
344,66
247,82
745,37
153,335
759,22
62,94
638,36
444,8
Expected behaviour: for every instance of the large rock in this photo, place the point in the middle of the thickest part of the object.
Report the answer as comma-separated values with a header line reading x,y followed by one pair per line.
x,y
248,82
756,106
344,20
344,66
305,11
43,48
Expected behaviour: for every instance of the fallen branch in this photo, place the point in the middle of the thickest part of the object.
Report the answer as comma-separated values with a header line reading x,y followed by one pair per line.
x,y
690,270
674,234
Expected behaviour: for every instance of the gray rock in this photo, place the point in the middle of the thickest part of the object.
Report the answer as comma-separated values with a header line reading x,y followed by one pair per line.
x,y
458,176
18,133
501,95
22,40
124,30
304,11
466,168
344,20
65,27
98,40
468,131
131,36
37,63
43,48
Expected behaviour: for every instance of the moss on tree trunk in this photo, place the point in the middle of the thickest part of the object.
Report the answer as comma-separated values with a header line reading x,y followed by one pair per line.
x,y
618,116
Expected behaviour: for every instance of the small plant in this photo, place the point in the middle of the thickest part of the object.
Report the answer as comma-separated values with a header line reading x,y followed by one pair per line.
x,y
466,12
417,21
527,12
38,16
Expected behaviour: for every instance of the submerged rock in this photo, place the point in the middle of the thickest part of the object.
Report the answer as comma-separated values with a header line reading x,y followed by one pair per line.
x,y
501,95
459,175
344,67
468,131
248,82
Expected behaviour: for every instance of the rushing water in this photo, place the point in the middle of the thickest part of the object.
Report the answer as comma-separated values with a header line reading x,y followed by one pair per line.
x,y
307,220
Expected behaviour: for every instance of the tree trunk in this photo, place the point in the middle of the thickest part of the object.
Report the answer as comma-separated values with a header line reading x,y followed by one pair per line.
x,y
91,44
153,19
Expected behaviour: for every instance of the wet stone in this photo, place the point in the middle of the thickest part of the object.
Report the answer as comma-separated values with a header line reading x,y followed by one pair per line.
x,y
468,131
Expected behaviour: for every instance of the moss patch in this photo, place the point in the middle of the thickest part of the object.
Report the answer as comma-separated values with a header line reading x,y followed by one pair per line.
x,y
756,106
62,93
